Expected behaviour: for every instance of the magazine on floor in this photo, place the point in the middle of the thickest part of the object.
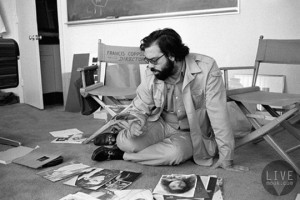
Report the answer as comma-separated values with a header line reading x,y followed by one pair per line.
x,y
92,178
63,171
206,188
122,180
177,185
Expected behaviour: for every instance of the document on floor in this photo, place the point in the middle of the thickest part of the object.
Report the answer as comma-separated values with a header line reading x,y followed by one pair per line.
x,y
73,139
65,133
72,136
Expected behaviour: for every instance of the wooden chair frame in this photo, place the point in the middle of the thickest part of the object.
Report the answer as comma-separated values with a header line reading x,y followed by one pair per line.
x,y
269,51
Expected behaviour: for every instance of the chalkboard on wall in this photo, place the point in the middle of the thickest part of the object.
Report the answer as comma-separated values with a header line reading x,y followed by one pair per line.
x,y
91,10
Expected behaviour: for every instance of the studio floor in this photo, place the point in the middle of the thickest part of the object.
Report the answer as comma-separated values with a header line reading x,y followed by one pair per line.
x,y
31,126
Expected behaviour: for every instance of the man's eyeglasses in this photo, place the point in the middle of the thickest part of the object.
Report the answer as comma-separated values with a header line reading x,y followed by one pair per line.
x,y
153,61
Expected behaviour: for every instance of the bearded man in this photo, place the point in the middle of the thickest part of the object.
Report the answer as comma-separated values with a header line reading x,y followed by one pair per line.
x,y
179,111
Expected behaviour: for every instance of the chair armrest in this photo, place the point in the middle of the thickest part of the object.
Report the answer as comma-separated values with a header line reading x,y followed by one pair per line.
x,y
87,78
226,69
236,68
84,91
87,68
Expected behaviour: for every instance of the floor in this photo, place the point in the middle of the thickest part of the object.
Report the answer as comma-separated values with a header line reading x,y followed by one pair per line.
x,y
31,126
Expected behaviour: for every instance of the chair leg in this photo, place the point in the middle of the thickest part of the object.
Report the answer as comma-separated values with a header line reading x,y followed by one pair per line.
x,y
282,153
293,120
292,149
263,130
285,124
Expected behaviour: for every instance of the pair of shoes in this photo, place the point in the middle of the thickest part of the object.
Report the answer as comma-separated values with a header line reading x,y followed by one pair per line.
x,y
105,139
107,153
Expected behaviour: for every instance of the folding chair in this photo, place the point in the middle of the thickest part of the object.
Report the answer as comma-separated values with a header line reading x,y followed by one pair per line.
x,y
276,52
108,56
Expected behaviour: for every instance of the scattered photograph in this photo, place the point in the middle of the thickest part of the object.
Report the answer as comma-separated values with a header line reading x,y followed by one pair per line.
x,y
122,180
92,178
63,171
177,185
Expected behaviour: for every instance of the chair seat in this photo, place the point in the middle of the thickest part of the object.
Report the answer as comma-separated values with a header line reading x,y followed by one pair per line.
x,y
267,98
114,91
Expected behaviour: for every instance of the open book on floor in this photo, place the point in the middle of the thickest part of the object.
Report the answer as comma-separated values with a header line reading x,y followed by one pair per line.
x,y
40,158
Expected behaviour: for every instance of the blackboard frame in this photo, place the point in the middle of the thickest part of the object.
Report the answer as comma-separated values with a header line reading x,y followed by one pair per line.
x,y
100,11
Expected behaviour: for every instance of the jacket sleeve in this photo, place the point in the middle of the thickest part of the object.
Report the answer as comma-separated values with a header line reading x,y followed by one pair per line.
x,y
142,105
216,104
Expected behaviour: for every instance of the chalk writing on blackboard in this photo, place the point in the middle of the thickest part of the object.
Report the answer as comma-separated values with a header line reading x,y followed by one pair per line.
x,y
79,10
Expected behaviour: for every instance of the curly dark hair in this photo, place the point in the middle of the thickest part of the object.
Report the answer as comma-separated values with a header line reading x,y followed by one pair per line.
x,y
169,42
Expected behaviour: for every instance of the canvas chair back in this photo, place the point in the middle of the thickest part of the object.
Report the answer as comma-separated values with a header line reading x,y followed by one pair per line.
x,y
276,51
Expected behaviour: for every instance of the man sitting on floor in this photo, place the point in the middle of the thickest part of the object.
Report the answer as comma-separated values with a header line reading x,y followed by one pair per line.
x,y
179,112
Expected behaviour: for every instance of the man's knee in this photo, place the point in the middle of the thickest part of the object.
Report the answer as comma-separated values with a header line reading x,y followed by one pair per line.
x,y
126,144
175,155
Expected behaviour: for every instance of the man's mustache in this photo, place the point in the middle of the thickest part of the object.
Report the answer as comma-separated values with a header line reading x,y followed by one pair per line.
x,y
154,70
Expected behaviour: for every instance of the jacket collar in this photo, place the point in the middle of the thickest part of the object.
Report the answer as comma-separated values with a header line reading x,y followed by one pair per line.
x,y
192,68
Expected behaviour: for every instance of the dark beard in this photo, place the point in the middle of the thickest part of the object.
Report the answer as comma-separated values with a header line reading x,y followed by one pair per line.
x,y
166,72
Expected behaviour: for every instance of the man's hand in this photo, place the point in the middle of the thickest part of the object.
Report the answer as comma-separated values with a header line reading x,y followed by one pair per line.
x,y
228,165
136,128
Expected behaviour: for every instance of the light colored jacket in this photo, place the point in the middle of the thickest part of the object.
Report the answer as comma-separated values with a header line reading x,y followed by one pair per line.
x,y
204,98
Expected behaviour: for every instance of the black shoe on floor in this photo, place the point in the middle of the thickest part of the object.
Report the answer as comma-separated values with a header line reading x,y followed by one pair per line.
x,y
107,153
105,139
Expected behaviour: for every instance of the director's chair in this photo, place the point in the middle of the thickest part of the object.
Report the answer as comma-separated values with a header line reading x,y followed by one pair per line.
x,y
111,56
282,52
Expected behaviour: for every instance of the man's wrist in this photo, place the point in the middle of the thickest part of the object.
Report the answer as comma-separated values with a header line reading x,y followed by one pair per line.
x,y
227,163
